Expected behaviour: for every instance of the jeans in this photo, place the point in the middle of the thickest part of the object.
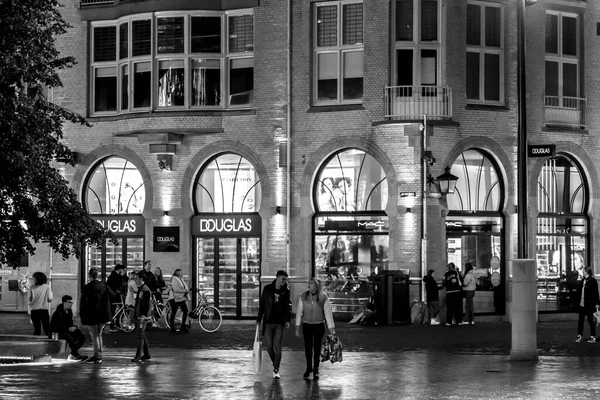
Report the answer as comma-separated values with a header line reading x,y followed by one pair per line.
x,y
433,307
74,339
454,307
41,318
273,339
589,312
313,338
96,335
184,311
469,308
142,341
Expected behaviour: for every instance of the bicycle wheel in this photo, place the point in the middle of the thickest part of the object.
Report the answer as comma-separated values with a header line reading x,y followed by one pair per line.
x,y
161,319
210,319
126,320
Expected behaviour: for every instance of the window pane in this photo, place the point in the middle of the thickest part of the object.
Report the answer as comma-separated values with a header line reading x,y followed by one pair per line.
x,y
141,32
206,82
169,32
473,24
551,34
327,26
404,20
429,67
473,76
353,75
171,84
404,60
493,26
105,89
206,35
429,20
561,187
492,77
570,80
327,80
241,33
353,24
241,81
105,43
569,36
141,84
123,41
124,87
551,78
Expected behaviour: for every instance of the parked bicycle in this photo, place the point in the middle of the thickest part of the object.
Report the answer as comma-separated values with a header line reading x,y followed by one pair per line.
x,y
209,317
122,318
159,314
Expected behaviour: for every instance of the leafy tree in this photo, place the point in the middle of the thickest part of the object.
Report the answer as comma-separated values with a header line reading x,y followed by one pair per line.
x,y
36,203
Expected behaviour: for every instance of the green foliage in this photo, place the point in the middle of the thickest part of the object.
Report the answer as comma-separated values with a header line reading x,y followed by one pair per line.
x,y
36,202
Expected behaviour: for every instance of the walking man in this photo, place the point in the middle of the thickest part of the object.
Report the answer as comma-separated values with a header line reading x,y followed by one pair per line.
x,y
95,311
589,302
275,314
141,314
62,323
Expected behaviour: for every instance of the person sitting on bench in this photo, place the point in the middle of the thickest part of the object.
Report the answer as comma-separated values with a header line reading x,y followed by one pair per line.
x,y
62,323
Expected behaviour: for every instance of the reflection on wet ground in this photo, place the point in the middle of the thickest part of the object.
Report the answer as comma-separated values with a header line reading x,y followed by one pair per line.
x,y
228,374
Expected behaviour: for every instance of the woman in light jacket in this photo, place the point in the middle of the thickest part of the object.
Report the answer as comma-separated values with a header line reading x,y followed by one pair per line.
x,y
314,309
178,295
40,297
469,285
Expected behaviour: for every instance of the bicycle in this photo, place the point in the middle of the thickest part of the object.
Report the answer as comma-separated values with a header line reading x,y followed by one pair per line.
x,y
122,318
209,316
159,313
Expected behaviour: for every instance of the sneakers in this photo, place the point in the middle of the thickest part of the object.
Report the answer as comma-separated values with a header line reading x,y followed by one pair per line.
x,y
94,360
315,376
592,339
447,324
72,357
579,339
434,322
307,373
145,358
472,322
137,359
463,323
276,374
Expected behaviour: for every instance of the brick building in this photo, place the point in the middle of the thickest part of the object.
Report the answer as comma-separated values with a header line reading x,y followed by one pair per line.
x,y
264,135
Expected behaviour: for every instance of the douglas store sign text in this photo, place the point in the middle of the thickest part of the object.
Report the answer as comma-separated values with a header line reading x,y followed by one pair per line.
x,y
227,225
122,225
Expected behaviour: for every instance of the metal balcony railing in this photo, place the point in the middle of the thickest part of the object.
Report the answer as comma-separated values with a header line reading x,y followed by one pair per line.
x,y
564,111
411,102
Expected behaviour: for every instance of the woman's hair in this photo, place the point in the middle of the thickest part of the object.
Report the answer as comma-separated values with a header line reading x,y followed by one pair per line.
x,y
39,278
468,267
319,295
176,271
159,270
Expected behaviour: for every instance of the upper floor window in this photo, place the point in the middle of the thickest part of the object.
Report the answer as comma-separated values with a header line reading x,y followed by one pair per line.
x,y
338,55
166,61
485,53
562,56
416,44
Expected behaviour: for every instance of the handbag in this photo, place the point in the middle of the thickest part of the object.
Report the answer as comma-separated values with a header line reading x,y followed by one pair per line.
x,y
257,352
331,349
597,317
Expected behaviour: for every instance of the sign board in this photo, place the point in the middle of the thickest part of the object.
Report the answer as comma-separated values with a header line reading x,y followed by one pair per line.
x,y
541,150
227,225
166,239
408,194
122,225
6,271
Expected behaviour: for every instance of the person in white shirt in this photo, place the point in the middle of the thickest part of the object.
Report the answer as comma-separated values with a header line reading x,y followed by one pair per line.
x,y
178,296
40,297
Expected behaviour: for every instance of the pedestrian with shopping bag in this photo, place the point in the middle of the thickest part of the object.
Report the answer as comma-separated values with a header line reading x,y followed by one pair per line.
x,y
314,309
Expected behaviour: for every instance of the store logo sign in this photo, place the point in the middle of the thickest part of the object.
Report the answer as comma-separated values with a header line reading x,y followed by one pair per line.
x,y
122,225
542,150
116,226
227,225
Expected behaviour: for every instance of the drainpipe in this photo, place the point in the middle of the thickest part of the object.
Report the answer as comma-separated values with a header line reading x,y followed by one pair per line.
x,y
424,219
289,138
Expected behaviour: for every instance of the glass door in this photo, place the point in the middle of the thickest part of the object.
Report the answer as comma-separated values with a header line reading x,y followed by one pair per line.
x,y
228,273
205,262
134,249
129,251
249,277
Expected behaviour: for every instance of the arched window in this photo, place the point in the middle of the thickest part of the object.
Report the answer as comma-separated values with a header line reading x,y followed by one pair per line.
x,y
228,184
115,187
349,181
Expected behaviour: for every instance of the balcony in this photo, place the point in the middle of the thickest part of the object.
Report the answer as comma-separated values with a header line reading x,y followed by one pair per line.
x,y
564,111
412,102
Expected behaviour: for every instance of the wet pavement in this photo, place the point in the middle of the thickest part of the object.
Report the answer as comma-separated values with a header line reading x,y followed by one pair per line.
x,y
380,362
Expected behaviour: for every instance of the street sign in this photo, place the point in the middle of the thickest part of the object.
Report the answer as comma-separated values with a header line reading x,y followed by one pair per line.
x,y
541,150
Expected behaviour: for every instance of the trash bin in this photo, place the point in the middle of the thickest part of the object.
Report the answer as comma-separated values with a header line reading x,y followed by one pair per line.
x,y
400,295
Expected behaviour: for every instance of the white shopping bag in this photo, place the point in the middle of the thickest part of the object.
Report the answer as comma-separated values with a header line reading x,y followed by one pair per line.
x,y
257,351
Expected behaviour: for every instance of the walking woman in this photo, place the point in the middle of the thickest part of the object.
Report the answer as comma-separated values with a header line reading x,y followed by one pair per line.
x,y
469,285
40,297
178,296
314,309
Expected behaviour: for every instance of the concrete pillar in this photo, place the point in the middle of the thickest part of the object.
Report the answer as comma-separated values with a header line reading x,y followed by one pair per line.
x,y
524,311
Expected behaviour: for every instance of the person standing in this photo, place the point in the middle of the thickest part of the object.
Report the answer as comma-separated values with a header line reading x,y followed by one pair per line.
x,y
314,309
433,300
40,297
453,285
95,311
275,314
141,315
160,284
115,284
469,286
62,323
150,279
132,289
588,303
178,297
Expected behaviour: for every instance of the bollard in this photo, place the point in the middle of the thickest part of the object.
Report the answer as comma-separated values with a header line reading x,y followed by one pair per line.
x,y
524,311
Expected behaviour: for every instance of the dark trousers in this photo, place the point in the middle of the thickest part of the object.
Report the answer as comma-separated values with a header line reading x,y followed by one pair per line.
x,y
434,308
142,341
41,318
274,339
313,338
589,312
74,339
454,307
469,306
184,310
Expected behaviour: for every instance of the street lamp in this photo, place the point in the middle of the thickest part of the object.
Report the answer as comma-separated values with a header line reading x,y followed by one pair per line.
x,y
447,182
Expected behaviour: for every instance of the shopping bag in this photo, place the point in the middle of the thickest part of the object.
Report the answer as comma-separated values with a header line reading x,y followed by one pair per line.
x,y
257,352
597,317
325,350
335,350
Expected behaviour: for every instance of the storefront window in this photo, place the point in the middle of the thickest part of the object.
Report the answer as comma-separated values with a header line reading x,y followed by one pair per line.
x,y
561,246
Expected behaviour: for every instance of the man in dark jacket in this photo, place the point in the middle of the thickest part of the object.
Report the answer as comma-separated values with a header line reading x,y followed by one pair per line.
x,y
62,323
453,284
115,283
95,312
275,313
141,314
433,299
589,302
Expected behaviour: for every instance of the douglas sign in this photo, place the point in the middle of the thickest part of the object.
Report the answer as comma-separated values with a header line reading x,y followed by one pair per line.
x,y
226,225
542,150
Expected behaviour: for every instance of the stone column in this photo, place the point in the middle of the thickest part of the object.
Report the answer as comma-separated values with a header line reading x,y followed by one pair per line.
x,y
524,311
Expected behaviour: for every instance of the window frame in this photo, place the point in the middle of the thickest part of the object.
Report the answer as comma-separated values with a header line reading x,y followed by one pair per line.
x,y
340,49
562,59
482,50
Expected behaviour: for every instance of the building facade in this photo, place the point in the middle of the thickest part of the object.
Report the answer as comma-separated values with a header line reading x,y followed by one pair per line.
x,y
234,138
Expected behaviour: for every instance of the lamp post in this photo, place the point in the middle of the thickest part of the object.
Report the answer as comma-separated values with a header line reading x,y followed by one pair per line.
x,y
447,182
